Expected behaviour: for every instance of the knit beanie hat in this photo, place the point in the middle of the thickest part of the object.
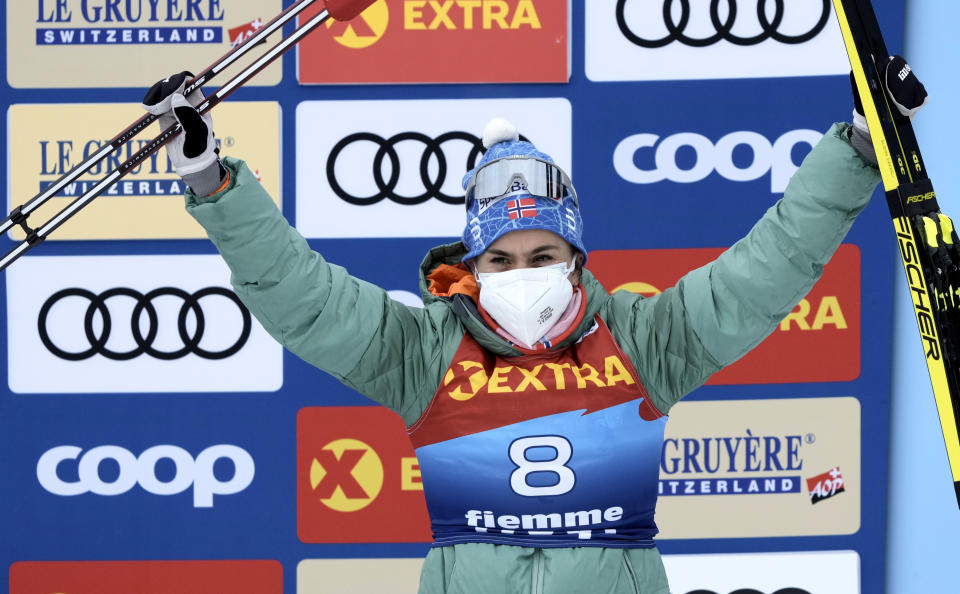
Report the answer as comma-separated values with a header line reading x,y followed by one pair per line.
x,y
490,219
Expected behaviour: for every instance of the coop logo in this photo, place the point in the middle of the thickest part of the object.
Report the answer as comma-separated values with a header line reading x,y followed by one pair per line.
x,y
142,470
648,158
112,22
146,577
766,463
358,478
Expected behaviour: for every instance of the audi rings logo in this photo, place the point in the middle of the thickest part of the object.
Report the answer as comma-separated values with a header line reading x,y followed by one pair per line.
x,y
770,27
432,177
144,324
752,591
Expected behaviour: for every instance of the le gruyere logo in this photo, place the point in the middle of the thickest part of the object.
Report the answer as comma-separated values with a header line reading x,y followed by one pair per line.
x,y
45,142
74,43
752,468
436,15
112,22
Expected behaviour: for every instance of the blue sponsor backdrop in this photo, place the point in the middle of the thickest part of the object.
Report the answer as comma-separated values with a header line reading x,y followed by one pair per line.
x,y
261,521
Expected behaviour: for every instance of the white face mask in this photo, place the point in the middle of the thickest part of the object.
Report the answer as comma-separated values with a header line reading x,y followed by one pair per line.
x,y
527,302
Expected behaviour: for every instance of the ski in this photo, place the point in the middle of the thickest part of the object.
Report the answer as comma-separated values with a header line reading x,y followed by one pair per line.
x,y
927,242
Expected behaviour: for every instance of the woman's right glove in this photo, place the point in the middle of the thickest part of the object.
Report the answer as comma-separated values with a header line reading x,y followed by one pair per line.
x,y
907,93
194,151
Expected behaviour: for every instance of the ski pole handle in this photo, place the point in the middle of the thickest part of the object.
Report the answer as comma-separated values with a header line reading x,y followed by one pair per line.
x,y
344,10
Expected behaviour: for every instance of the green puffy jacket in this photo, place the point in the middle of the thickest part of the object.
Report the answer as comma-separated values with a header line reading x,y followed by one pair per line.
x,y
397,355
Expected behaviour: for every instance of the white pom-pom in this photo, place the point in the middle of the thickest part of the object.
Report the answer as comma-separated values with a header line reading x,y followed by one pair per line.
x,y
499,130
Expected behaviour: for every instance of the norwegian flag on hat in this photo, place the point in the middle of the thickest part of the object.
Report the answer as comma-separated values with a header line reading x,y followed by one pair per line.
x,y
522,208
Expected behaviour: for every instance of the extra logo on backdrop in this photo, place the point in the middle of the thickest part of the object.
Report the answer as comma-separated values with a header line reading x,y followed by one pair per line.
x,y
804,572
442,41
358,479
819,341
394,168
146,577
47,141
94,324
129,43
703,39
743,469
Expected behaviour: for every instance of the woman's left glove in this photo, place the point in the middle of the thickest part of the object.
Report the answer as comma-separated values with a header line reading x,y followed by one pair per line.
x,y
906,92
194,151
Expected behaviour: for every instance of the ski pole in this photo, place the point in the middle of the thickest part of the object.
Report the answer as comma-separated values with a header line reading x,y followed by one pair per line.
x,y
925,237
338,9
21,212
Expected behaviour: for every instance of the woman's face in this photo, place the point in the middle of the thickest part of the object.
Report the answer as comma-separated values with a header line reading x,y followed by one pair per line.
x,y
528,248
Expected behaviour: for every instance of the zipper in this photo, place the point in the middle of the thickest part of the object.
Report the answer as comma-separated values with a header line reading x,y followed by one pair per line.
x,y
537,572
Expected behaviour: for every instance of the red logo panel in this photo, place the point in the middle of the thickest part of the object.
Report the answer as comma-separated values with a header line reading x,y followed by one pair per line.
x,y
440,41
818,342
146,577
358,479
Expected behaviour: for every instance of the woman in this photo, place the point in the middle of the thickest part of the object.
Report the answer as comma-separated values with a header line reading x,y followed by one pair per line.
x,y
536,401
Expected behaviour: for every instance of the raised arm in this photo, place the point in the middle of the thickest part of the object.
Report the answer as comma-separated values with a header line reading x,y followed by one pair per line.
x,y
350,328
717,313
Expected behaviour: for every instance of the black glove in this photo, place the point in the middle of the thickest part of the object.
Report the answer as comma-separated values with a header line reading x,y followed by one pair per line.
x,y
194,152
906,92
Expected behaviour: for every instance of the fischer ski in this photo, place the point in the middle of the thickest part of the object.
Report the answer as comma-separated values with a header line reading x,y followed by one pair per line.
x,y
928,244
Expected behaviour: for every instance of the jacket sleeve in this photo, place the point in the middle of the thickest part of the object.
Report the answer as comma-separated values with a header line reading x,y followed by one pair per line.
x,y
385,350
717,313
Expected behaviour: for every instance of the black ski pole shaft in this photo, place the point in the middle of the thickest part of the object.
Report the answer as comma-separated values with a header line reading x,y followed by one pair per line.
x,y
18,215
34,237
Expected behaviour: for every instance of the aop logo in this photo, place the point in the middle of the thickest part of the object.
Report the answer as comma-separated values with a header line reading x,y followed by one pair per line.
x,y
346,475
363,31
775,158
142,470
98,324
723,25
